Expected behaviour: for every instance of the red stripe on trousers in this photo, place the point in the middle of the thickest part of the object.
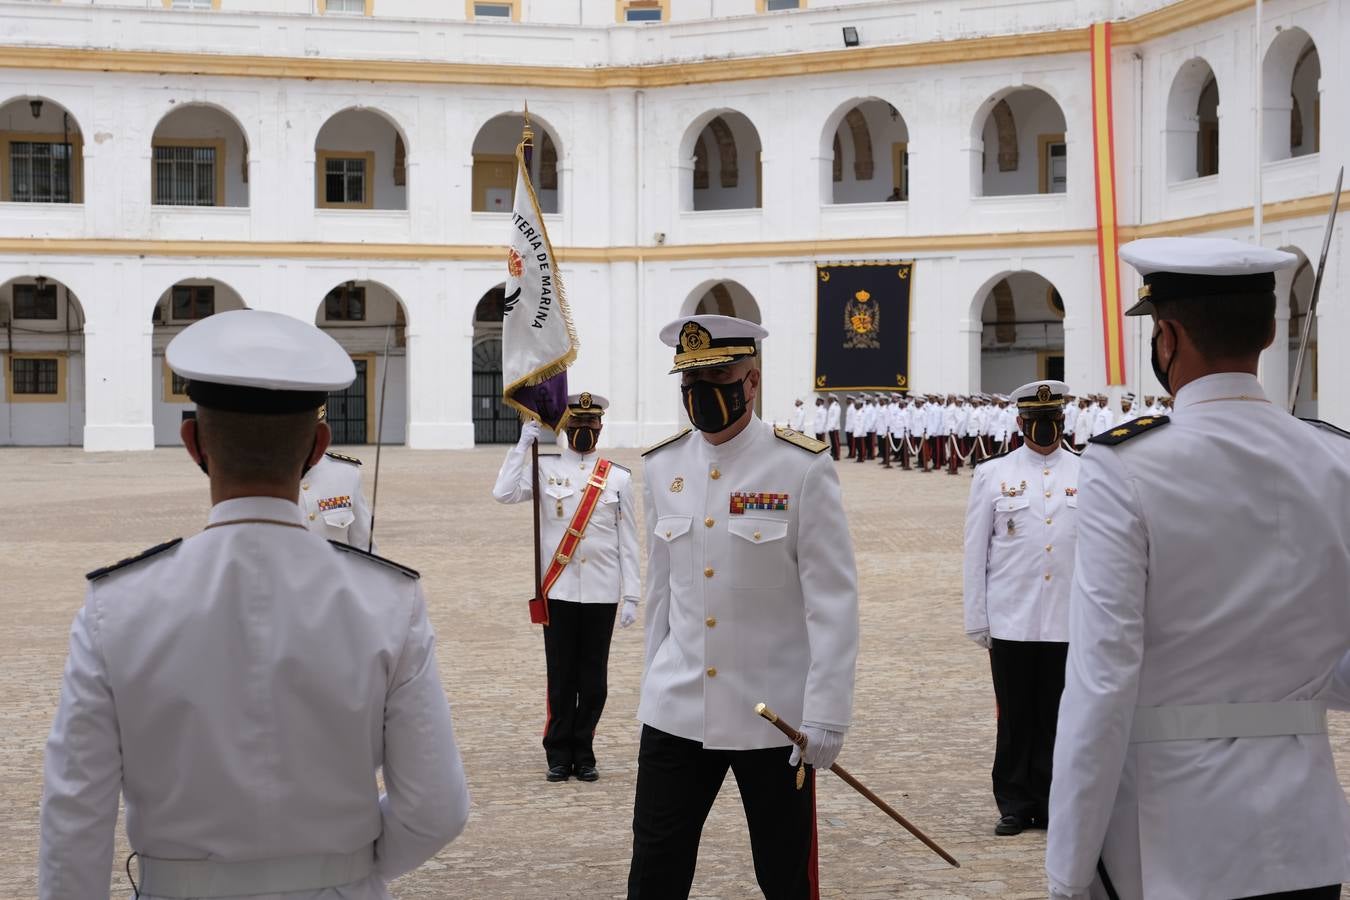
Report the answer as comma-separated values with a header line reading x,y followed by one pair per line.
x,y
813,864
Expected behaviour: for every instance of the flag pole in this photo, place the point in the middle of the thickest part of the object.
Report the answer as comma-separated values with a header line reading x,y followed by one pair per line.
x,y
540,602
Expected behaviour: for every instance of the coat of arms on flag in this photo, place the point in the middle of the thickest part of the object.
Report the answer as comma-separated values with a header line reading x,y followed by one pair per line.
x,y
538,339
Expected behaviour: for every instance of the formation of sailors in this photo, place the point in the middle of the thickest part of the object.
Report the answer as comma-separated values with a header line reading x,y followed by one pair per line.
x,y
931,432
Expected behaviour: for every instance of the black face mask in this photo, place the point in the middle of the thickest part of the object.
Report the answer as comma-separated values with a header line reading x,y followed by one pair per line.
x,y
1044,431
1158,371
713,407
582,440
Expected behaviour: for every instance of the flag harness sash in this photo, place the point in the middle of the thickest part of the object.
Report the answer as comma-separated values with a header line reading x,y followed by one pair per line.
x,y
590,499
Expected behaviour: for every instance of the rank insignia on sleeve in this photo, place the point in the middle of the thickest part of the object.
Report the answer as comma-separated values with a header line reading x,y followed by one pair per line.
x,y
1134,428
328,504
742,501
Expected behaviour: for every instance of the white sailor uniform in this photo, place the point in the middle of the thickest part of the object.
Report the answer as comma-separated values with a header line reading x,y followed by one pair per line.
x,y
333,502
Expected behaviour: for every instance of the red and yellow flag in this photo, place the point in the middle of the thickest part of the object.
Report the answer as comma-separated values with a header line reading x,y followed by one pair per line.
x,y
1104,167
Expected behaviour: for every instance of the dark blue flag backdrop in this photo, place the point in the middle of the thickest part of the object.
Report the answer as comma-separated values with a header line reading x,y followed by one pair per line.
x,y
862,326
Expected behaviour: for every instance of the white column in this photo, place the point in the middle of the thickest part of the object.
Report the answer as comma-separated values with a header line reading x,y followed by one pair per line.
x,y
117,362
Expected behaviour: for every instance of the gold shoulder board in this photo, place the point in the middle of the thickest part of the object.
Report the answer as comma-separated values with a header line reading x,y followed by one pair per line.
x,y
340,458
798,439
1122,433
122,564
668,441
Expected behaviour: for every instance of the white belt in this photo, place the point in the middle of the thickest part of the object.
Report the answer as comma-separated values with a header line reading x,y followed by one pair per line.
x,y
205,878
1210,721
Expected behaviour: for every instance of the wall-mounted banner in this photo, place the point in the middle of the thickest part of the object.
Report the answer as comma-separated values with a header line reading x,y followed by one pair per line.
x,y
862,326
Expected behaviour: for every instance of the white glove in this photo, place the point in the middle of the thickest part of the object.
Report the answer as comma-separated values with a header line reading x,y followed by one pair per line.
x,y
982,638
822,747
628,615
529,433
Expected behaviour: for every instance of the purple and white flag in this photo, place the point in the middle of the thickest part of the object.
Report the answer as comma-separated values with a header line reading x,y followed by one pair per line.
x,y
538,340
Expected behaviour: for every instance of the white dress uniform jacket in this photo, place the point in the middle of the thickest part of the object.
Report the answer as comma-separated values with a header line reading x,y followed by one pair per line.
x,y
835,416
819,416
1168,611
334,507
241,689
1070,417
797,421
1019,546
746,605
933,420
604,567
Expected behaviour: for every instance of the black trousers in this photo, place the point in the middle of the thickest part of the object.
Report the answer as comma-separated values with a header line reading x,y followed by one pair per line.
x,y
678,781
576,654
1028,679
1330,892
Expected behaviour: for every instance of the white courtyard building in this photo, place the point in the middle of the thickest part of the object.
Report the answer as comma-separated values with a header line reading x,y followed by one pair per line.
x,y
349,162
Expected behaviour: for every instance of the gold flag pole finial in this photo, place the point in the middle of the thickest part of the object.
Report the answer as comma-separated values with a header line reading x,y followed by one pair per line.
x,y
527,133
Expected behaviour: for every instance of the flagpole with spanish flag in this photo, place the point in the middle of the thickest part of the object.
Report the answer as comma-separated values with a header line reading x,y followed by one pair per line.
x,y
539,341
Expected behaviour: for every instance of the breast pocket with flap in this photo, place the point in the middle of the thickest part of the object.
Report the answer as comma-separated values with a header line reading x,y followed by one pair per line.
x,y
673,531
758,555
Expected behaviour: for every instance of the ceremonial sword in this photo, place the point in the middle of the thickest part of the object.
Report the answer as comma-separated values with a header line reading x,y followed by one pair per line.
x,y
1316,291
379,437
800,740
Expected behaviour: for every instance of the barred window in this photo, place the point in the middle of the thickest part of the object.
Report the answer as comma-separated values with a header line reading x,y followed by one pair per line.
x,y
34,302
185,176
36,376
179,385
346,6
39,172
345,304
493,11
345,181
193,301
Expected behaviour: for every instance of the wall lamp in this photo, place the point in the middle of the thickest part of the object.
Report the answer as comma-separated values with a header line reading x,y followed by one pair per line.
x,y
35,106
850,36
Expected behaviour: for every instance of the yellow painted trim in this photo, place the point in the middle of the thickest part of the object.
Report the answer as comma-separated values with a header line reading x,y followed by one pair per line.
x,y
169,395
821,249
36,137
218,143
481,180
321,157
514,4
1043,362
762,6
371,396
1043,143
621,7
1173,18
215,4
58,397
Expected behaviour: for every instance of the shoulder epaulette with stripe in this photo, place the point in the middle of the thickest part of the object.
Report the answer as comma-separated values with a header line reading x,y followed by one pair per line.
x,y
667,442
981,462
123,563
340,458
1326,426
615,465
348,548
1122,433
797,439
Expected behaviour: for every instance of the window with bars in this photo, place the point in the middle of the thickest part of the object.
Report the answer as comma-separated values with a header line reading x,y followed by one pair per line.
x,y
32,301
192,4
193,301
344,181
185,176
776,5
345,304
493,10
178,385
357,7
36,375
643,11
39,172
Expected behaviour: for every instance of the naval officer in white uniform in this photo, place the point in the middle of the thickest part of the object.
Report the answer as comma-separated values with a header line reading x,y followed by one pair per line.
x,y
242,688
598,574
335,507
1209,624
1019,549
751,597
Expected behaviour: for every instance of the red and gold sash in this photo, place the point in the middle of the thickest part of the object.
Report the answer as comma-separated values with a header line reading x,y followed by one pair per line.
x,y
590,499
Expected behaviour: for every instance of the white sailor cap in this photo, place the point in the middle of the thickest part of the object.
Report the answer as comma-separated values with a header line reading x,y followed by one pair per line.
x,y
248,360
1041,396
704,342
1181,268
587,404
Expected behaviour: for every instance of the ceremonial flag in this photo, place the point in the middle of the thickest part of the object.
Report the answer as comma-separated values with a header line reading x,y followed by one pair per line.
x,y
862,326
538,340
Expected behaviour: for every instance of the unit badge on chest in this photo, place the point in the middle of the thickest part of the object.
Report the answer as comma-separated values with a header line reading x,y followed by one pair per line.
x,y
677,485
1012,529
1012,491
742,501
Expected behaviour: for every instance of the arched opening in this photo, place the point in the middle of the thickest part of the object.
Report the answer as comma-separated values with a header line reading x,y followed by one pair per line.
x,y
725,153
1299,298
360,162
493,421
870,146
727,298
187,301
1022,333
200,158
42,325
368,319
42,151
1193,122
1292,103
1022,133
494,164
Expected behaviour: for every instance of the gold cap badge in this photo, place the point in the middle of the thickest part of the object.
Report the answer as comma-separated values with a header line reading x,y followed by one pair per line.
x,y
585,399
694,337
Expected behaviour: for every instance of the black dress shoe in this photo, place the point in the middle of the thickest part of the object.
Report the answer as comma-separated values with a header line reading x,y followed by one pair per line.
x,y
1009,825
558,773
587,773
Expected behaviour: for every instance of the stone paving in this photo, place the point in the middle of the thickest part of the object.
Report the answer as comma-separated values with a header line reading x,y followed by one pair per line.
x,y
924,715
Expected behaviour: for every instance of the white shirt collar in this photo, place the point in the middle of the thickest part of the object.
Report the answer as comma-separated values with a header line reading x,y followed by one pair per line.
x,y
1221,386
273,508
738,445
